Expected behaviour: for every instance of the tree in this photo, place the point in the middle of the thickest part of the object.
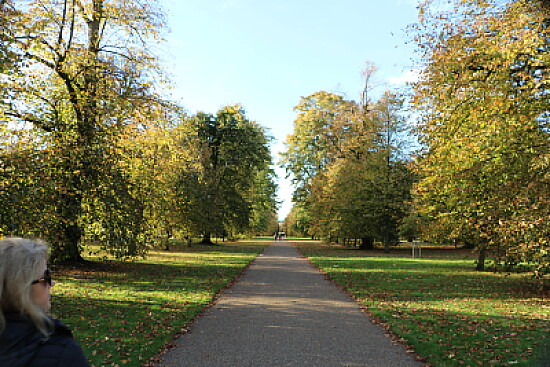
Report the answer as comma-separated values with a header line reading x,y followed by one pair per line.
x,y
86,71
22,199
348,162
394,177
155,154
322,121
218,196
297,222
262,196
483,96
363,194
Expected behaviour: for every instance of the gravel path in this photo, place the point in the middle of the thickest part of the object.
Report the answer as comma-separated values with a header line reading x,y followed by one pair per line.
x,y
283,312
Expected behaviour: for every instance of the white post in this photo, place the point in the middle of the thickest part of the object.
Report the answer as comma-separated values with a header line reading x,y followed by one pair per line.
x,y
416,252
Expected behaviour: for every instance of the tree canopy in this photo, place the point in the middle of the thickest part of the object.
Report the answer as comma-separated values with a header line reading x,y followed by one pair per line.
x,y
233,176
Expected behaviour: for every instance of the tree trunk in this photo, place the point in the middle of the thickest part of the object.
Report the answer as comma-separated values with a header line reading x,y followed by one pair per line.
x,y
387,242
168,236
480,266
367,243
83,157
206,239
66,246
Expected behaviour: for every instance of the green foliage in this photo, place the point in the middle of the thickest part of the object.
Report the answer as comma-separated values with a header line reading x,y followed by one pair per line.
x,y
90,152
449,314
349,165
233,177
154,157
21,194
84,74
484,102
231,187
319,129
298,222
264,203
8,59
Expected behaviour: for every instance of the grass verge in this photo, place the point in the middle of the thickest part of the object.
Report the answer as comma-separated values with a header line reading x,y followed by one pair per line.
x,y
125,313
440,306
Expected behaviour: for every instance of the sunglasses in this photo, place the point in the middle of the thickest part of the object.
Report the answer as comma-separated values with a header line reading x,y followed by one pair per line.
x,y
46,278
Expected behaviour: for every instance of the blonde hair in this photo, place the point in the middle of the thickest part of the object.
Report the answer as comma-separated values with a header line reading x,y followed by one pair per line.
x,y
19,260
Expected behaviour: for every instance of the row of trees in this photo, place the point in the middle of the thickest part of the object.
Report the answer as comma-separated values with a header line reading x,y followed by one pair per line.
x,y
90,149
482,175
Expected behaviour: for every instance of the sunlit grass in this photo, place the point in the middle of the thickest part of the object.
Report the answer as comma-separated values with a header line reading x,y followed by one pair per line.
x,y
450,314
124,313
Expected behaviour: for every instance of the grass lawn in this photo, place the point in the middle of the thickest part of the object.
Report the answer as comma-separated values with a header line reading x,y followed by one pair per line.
x,y
124,313
439,305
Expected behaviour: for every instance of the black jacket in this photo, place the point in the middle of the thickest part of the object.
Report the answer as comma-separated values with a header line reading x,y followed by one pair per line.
x,y
22,345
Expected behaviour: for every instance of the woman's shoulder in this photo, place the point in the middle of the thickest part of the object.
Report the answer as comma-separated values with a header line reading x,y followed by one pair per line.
x,y
60,350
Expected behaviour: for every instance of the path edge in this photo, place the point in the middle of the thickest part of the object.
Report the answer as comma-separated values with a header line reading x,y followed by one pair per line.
x,y
187,328
374,319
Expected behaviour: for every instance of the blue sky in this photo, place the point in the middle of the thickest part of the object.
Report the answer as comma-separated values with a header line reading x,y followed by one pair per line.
x,y
266,55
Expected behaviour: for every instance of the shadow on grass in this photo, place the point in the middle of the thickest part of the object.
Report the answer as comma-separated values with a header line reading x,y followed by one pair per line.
x,y
128,317
114,332
412,279
124,313
458,338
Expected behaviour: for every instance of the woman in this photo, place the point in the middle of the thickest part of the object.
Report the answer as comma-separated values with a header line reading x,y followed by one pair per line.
x,y
28,336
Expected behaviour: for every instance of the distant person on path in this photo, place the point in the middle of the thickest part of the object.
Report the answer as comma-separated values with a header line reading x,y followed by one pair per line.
x,y
28,336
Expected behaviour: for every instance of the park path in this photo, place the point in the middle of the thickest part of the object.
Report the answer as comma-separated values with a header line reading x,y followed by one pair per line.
x,y
283,312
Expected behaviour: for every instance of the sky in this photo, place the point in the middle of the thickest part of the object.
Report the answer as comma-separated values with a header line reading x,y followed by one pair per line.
x,y
267,54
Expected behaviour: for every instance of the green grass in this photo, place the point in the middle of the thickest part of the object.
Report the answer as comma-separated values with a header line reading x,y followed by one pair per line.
x,y
125,313
439,305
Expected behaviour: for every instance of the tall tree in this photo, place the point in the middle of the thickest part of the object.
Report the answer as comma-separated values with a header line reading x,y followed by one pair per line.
x,y
86,71
394,177
348,162
484,101
297,222
154,154
322,121
217,198
262,196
